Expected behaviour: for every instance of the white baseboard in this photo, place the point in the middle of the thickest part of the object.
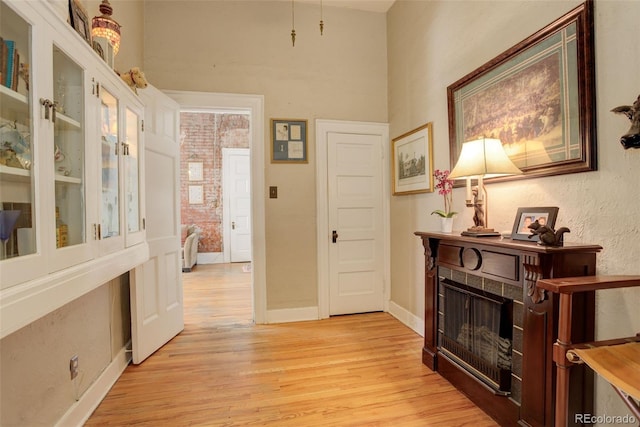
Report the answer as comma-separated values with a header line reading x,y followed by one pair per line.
x,y
210,258
80,411
407,318
292,315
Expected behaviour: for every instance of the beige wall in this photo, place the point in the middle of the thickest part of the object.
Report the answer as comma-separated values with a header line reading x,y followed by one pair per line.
x,y
36,389
245,47
431,45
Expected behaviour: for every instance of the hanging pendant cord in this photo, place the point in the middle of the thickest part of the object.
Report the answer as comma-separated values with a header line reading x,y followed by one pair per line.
x,y
321,20
293,25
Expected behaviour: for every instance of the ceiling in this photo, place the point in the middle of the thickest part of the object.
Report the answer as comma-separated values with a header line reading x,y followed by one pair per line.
x,y
381,6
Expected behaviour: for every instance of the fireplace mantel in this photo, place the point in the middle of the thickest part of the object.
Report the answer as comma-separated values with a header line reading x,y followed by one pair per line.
x,y
512,268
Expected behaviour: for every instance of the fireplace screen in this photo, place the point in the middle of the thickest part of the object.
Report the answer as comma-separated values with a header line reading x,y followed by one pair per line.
x,y
477,333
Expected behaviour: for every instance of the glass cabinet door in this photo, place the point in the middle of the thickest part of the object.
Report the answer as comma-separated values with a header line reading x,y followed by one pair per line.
x,y
110,148
18,208
68,156
132,171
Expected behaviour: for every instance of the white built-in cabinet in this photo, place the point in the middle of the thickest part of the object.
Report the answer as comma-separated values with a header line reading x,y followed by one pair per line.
x,y
71,187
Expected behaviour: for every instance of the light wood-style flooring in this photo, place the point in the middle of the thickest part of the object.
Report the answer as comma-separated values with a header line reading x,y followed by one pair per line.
x,y
222,370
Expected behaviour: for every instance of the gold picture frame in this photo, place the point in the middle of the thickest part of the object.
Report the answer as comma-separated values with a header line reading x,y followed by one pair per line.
x,y
412,155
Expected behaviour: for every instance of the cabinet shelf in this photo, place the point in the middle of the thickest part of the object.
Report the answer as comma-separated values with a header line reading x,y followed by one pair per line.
x,y
67,179
66,122
11,174
14,105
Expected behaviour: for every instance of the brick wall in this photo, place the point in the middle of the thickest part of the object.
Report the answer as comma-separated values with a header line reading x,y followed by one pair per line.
x,y
203,136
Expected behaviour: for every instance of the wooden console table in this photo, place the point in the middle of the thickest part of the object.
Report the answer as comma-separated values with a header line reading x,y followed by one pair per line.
x,y
512,269
616,360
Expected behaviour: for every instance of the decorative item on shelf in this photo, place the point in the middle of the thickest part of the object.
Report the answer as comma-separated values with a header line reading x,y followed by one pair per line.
x,y
105,27
632,138
60,94
7,224
481,158
444,185
135,79
24,75
14,149
547,235
62,166
8,156
62,231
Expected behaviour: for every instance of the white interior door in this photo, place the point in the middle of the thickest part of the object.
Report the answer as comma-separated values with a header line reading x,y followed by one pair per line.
x,y
156,285
237,191
355,219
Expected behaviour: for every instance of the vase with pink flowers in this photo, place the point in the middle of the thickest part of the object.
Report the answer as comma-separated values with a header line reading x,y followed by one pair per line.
x,y
444,185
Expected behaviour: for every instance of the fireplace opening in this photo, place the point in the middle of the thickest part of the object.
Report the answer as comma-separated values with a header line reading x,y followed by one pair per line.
x,y
477,333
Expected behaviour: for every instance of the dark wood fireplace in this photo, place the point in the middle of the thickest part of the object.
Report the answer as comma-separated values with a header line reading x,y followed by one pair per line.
x,y
497,349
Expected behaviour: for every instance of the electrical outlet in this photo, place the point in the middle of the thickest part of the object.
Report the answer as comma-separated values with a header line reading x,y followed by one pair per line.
x,y
73,366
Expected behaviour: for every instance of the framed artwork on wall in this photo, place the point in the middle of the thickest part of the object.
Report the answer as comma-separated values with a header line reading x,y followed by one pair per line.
x,y
196,195
289,141
196,171
412,159
538,98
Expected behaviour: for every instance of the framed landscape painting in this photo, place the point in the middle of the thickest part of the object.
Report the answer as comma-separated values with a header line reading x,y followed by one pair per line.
x,y
412,155
538,98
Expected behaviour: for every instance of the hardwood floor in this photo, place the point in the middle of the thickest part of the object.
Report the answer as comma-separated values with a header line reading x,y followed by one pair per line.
x,y
222,370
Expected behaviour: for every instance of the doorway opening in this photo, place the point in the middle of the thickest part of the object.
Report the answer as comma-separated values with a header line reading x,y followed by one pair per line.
x,y
215,184
247,109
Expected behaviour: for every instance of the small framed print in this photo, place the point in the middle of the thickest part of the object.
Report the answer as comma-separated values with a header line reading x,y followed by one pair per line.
x,y
526,216
196,195
412,155
79,20
289,141
195,171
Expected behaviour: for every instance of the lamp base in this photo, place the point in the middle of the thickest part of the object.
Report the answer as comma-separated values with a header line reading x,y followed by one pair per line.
x,y
478,231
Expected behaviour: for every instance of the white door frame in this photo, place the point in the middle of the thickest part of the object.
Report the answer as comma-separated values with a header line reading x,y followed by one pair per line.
x,y
323,129
226,208
255,104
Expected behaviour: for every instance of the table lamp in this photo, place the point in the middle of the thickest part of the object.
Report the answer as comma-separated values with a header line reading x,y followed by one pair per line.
x,y
481,158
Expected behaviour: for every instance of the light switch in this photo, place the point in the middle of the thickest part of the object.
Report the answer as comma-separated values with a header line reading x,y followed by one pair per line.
x,y
273,192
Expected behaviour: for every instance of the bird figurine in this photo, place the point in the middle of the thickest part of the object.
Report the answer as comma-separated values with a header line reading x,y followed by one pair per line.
x,y
632,138
547,236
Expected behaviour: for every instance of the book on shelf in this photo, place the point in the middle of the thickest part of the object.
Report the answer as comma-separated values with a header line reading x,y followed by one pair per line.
x,y
11,49
2,61
3,71
16,68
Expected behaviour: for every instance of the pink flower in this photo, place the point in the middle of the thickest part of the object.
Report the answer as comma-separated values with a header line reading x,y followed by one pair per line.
x,y
445,189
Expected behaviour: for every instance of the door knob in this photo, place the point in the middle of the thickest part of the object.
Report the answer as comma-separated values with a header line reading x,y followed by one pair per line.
x,y
334,236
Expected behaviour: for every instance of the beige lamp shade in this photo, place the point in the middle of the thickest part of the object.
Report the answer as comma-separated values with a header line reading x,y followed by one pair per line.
x,y
483,158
